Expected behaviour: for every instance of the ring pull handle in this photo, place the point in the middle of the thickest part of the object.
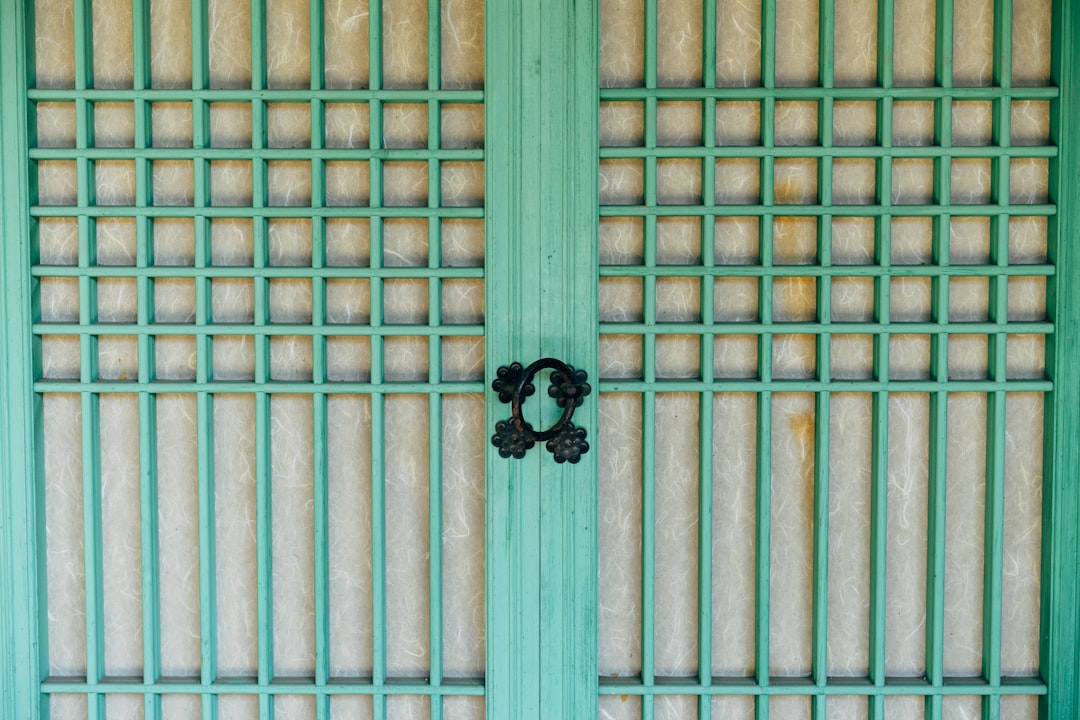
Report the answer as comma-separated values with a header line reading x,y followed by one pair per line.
x,y
514,437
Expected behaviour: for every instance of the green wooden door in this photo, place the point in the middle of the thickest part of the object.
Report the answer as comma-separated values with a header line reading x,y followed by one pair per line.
x,y
812,256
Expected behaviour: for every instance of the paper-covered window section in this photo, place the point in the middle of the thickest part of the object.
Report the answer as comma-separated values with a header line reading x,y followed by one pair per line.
x,y
823,247
259,264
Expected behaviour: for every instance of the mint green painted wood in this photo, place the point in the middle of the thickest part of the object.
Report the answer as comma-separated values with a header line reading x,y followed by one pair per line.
x,y
465,687
805,686
1060,648
541,519
541,289
23,627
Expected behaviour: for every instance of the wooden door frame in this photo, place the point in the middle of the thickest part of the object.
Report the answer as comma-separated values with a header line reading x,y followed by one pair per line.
x,y
512,30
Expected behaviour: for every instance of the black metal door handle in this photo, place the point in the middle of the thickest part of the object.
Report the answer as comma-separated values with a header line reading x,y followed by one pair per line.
x,y
514,384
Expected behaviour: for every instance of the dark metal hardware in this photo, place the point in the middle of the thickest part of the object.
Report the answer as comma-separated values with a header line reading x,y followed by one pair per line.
x,y
514,437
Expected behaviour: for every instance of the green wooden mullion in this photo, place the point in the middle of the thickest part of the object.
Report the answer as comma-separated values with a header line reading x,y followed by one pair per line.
x,y
265,330
822,413
378,400
826,48
651,30
996,405
648,411
708,72
879,517
939,369
821,270
148,477
762,550
935,542
820,608
705,546
435,406
824,227
321,512
666,328
943,45
435,538
1059,651
812,386
614,94
88,352
702,151
708,291
648,422
172,272
200,58
202,201
468,154
92,544
768,53
648,547
317,51
222,211
246,387
885,50
839,686
765,229
321,465
321,450
879,423
474,273
1003,44
200,66
263,400
83,20
319,357
434,59
207,538
264,533
24,649
378,540
434,228
320,421
359,153
1001,136
458,687
147,449
150,559
375,53
707,350
993,544
473,687
693,151
879,433
258,49
318,240
141,52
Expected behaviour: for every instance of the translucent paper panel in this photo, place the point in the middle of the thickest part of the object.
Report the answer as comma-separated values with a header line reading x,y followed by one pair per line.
x,y
849,332
219,472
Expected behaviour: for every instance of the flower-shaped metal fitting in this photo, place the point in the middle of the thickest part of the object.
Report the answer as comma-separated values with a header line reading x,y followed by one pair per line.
x,y
506,382
514,437
569,445
512,441
569,387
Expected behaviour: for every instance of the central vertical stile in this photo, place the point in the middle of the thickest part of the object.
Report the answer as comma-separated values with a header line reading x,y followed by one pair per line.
x,y
541,150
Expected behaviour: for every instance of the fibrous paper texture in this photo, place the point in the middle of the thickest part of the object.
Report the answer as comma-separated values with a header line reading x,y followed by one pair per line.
x,y
672,481
732,441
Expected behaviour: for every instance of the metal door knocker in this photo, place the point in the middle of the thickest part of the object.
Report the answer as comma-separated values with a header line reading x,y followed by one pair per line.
x,y
514,437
